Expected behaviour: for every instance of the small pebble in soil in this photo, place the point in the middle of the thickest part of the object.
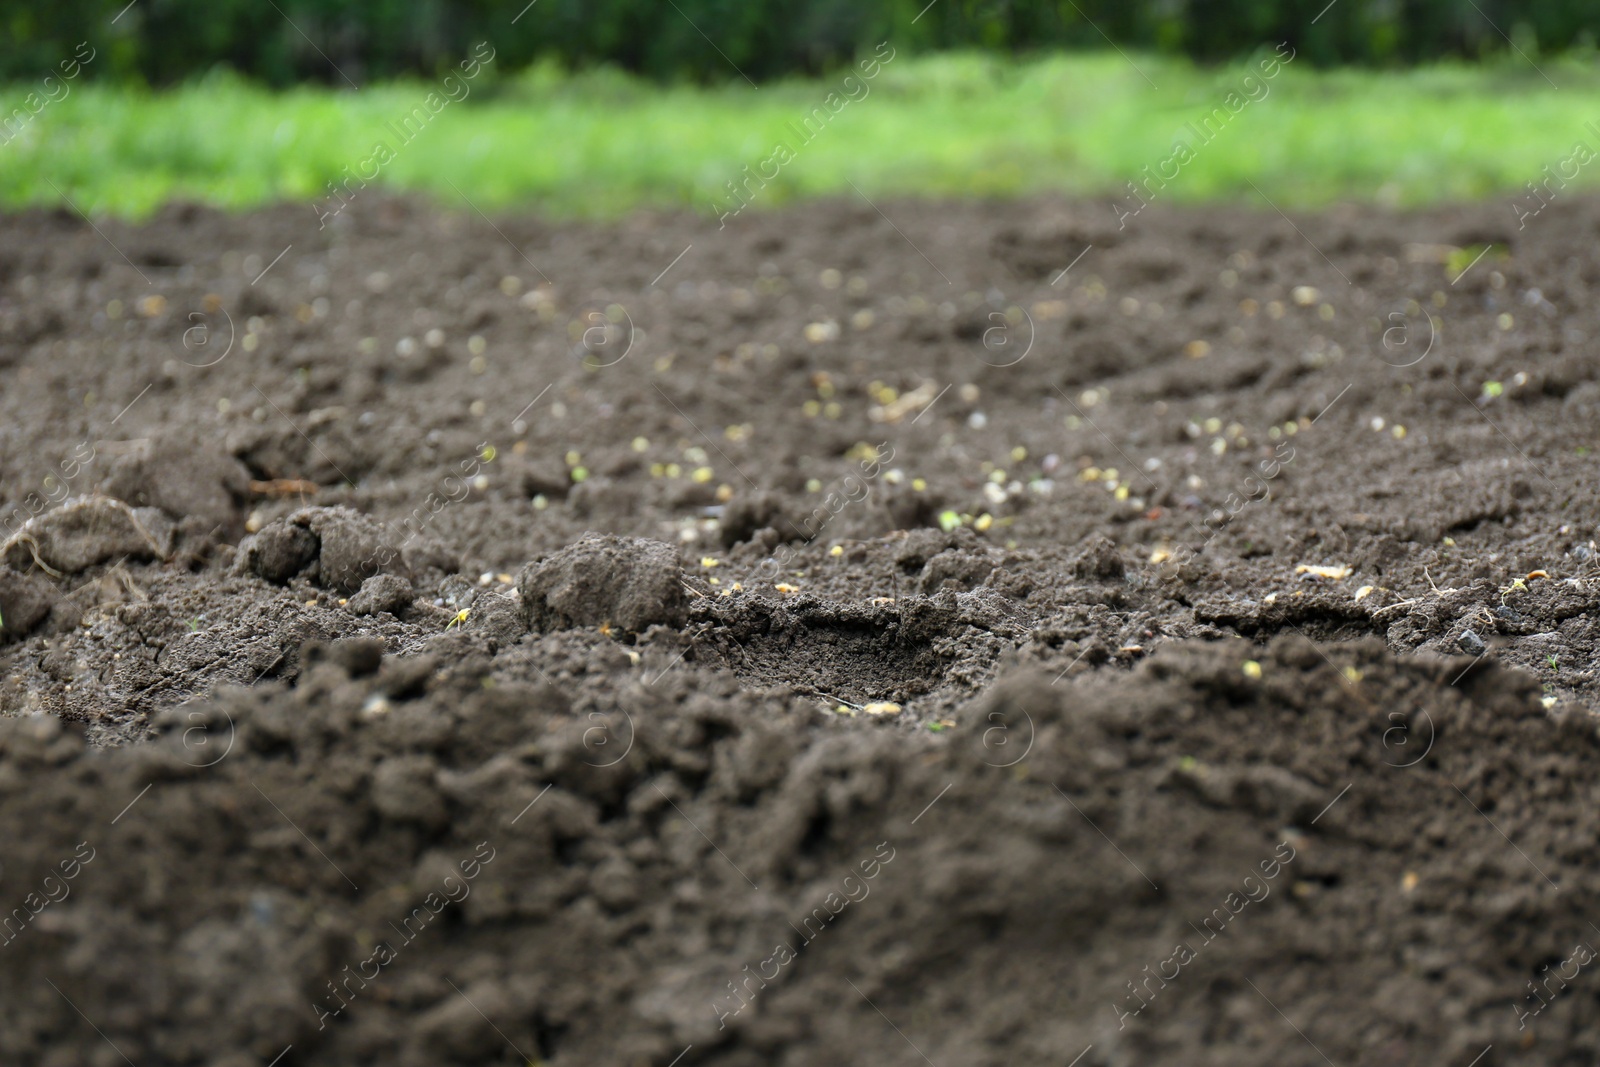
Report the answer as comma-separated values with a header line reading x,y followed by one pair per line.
x,y
1471,643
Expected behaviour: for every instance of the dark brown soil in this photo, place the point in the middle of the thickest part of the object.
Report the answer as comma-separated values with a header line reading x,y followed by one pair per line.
x,y
864,643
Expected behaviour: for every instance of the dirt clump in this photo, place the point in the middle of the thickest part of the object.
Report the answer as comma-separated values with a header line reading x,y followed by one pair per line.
x,y
85,531
382,592
25,599
185,479
338,548
627,582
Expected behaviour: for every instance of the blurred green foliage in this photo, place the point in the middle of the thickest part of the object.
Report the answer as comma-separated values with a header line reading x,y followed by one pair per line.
x,y
284,41
957,124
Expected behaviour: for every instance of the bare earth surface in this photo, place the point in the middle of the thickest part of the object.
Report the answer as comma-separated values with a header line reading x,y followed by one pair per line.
x,y
434,641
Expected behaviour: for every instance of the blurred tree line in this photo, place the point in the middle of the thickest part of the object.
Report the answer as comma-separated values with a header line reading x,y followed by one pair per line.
x,y
283,41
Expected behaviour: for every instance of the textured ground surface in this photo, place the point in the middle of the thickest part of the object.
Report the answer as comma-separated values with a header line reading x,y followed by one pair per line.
x,y
851,641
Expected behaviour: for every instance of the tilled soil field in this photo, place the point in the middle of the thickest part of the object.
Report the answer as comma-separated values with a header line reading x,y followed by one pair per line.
x,y
900,633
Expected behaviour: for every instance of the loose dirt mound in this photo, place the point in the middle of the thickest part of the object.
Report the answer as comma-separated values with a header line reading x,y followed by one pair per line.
x,y
446,645
359,865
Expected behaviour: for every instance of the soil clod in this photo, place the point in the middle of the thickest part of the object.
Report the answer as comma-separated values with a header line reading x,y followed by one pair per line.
x,y
628,582
382,592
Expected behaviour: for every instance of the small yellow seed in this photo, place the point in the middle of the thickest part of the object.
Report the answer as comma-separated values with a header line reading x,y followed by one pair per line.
x,y
1335,573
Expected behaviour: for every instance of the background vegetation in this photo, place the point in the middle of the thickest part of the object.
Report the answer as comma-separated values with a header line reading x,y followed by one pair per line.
x,y
600,143
282,41
597,107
